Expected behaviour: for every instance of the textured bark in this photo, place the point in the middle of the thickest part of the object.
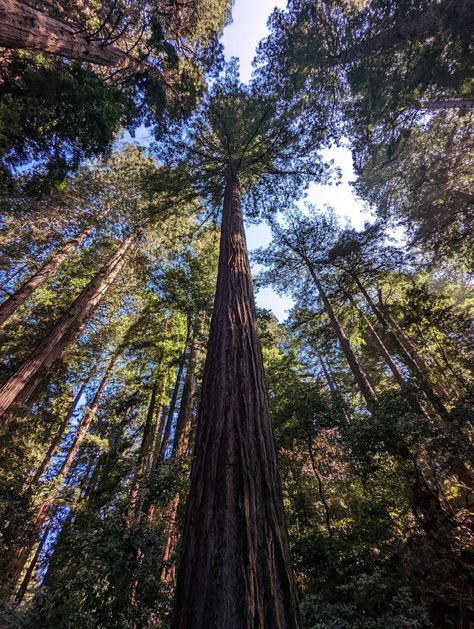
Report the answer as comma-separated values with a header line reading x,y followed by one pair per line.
x,y
359,374
59,435
23,26
234,570
23,383
11,305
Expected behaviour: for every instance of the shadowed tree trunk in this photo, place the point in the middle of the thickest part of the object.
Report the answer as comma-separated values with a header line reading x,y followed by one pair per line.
x,y
55,442
234,570
333,387
23,383
407,351
180,451
359,374
23,26
149,433
11,305
47,508
174,397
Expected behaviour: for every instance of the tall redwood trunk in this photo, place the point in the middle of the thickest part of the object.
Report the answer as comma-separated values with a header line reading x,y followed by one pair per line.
x,y
11,305
23,383
23,26
234,569
359,374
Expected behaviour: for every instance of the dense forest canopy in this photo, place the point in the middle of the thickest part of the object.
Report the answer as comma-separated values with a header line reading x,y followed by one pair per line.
x,y
172,456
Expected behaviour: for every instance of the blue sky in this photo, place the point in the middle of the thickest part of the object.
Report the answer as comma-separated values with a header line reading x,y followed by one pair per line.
x,y
240,40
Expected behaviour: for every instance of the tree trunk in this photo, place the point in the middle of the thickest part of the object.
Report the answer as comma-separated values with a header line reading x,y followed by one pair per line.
x,y
29,572
55,442
11,305
185,416
23,26
23,383
392,365
360,376
47,508
235,568
174,399
406,349
180,451
333,386
87,418
149,429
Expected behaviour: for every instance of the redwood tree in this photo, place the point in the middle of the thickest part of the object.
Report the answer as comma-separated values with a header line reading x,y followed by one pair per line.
x,y
234,569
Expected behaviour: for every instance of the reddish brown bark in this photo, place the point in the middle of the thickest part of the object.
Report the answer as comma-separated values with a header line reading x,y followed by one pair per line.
x,y
11,305
23,383
23,26
234,569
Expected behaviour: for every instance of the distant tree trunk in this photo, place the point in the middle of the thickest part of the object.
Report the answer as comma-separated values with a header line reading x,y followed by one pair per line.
x,y
23,26
23,383
392,365
47,508
11,305
149,429
57,439
412,351
180,450
234,569
360,376
87,418
174,397
332,385
32,565
415,364
185,416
